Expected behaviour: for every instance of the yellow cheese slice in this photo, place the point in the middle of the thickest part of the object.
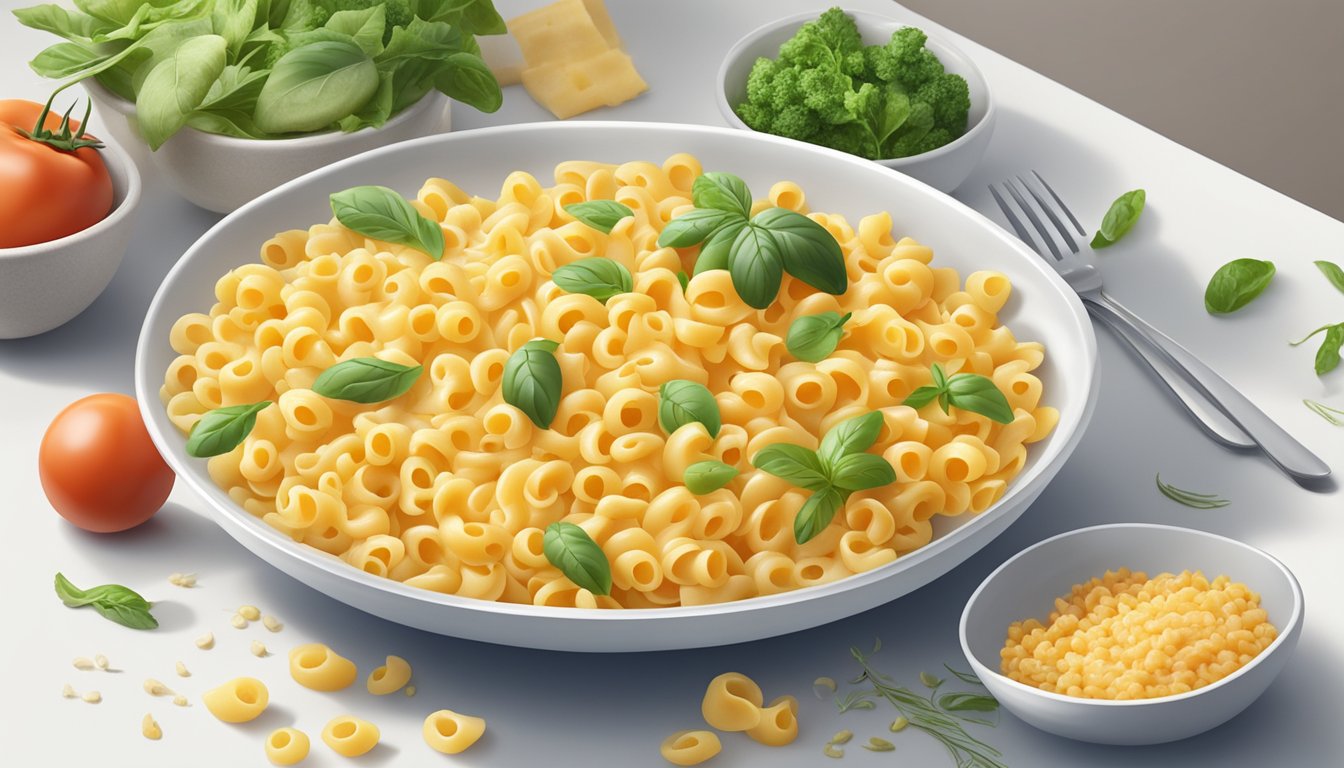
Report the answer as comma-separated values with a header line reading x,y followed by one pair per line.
x,y
503,57
559,32
597,10
568,89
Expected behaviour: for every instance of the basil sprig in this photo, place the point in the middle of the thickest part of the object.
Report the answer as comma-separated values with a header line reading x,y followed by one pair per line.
x,y
532,381
839,467
1236,284
708,476
756,251
967,391
1190,498
601,215
1333,273
681,402
596,276
223,429
115,602
366,380
382,214
1120,218
813,338
1327,355
570,548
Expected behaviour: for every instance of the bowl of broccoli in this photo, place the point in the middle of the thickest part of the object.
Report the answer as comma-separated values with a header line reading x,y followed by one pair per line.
x,y
864,84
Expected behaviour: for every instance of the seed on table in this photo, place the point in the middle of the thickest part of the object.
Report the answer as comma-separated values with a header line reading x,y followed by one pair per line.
x,y
182,670
83,662
259,649
69,692
830,750
238,621
879,745
823,687
101,661
155,688
271,623
842,737
180,700
92,697
250,612
409,690
206,642
899,724
150,729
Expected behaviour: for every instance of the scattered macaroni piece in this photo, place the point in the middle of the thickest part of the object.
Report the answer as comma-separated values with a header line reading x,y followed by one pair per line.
x,y
182,670
842,737
779,723
83,662
69,691
101,661
92,697
237,701
1125,636
389,678
179,700
732,702
690,747
150,729
155,688
239,621
823,687
879,745
830,750
187,580
899,724
259,649
410,690
350,736
286,746
448,732
271,623
316,666
250,612
206,642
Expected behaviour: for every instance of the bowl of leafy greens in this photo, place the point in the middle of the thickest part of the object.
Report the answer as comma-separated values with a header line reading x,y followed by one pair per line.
x,y
235,97
864,84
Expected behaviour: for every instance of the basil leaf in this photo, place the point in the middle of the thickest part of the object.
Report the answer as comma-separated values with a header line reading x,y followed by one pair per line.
x,y
1327,357
854,435
976,393
817,513
794,463
595,276
939,377
601,215
235,89
312,87
1236,284
382,214
756,267
467,78
1120,218
223,429
968,702
376,111
722,191
176,86
570,548
113,601
71,25
809,252
533,381
1332,273
684,280
681,402
861,471
65,59
695,226
366,380
364,26
813,337
233,20
715,251
922,396
708,476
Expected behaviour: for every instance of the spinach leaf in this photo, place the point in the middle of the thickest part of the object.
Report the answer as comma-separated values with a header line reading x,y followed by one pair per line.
x,y
1236,284
176,86
312,87
1120,218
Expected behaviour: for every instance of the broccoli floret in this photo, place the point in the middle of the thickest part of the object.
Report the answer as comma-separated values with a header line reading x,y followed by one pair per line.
x,y
950,99
832,40
824,90
760,83
904,60
796,122
755,116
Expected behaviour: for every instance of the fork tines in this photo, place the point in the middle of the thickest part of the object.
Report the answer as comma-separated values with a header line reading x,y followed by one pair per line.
x,y
1051,240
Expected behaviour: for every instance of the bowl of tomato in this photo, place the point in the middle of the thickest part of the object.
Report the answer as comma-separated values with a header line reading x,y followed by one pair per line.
x,y
67,205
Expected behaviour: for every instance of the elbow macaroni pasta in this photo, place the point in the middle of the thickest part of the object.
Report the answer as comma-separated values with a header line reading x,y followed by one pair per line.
x,y
448,488
240,700
350,736
690,747
316,666
448,732
389,678
286,746
732,702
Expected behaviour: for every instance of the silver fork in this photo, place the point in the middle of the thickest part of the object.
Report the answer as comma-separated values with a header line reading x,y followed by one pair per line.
x,y
1233,419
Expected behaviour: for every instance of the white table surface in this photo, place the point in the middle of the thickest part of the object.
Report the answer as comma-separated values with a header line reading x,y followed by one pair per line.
x,y
567,709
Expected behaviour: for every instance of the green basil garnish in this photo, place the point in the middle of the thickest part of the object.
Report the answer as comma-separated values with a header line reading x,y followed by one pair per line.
x,y
813,338
816,513
595,276
714,252
1120,218
850,436
113,601
382,214
968,702
722,191
570,548
861,471
697,225
967,391
533,382
794,463
708,476
1332,273
223,429
1327,356
681,402
366,380
809,252
1236,284
684,280
601,215
756,266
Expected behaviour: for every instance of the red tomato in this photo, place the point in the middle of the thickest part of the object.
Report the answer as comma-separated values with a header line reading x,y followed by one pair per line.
x,y
52,186
99,468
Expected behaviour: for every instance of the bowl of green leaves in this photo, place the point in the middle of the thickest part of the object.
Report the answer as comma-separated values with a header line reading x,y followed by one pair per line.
x,y
864,84
235,97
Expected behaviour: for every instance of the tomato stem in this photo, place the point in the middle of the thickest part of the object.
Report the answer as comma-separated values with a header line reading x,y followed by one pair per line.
x,y
62,139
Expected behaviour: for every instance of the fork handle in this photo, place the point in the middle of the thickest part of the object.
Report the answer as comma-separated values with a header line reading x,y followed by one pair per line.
x,y
1282,448
1214,422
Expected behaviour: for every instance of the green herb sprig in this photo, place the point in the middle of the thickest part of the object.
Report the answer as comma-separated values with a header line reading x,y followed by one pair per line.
x,y
812,338
681,402
1120,218
113,601
1236,284
967,391
382,214
570,548
1333,273
596,276
1327,355
366,380
533,381
756,251
601,215
223,429
1332,415
1190,498
708,476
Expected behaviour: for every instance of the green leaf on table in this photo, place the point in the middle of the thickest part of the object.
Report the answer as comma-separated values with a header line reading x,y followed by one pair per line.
x,y
968,702
812,338
366,380
533,381
223,429
596,276
681,402
708,476
570,548
1327,355
1120,218
1236,284
601,215
1190,498
382,214
113,601
1333,273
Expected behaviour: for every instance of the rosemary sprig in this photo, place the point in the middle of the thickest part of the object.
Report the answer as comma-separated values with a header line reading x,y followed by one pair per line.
x,y
854,700
966,677
1191,498
1332,415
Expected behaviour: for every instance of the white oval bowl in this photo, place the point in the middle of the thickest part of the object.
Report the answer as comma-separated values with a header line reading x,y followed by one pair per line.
x,y
944,168
220,173
1044,308
1028,583
45,285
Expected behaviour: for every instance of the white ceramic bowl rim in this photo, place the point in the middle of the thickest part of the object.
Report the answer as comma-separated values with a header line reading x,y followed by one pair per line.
x,y
1059,445
736,51
1294,618
122,164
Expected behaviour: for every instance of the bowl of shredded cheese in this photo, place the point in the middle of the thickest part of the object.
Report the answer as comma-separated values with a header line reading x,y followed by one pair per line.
x,y
1132,633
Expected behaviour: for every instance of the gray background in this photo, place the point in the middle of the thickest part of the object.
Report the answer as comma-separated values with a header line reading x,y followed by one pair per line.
x,y
1253,84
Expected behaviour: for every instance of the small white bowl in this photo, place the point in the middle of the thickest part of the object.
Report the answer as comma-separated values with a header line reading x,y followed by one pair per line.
x,y
944,168
220,173
45,285
1028,583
